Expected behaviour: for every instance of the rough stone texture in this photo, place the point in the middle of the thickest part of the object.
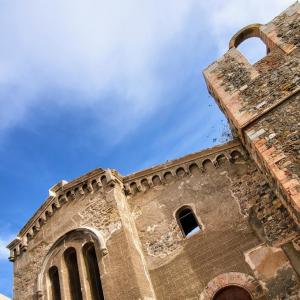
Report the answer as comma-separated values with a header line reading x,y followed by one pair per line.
x,y
265,110
285,285
277,137
276,141
147,255
98,210
266,211
282,131
288,30
272,266
244,194
181,267
233,73
271,86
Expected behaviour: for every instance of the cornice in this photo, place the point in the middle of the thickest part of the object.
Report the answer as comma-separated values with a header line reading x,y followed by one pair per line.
x,y
144,180
59,194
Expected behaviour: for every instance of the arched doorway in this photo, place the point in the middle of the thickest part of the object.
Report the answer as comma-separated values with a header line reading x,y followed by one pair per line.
x,y
232,292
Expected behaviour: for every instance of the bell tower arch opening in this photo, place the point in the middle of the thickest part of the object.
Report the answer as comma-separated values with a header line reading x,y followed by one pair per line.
x,y
251,42
253,49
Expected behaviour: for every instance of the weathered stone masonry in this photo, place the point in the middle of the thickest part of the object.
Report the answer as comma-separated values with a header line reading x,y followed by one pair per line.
x,y
250,95
242,199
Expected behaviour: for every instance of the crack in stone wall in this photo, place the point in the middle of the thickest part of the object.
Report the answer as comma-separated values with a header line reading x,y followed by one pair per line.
x,y
254,195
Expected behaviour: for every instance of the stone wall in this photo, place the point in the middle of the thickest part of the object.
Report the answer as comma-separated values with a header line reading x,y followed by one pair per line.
x,y
143,253
123,274
276,138
237,212
261,102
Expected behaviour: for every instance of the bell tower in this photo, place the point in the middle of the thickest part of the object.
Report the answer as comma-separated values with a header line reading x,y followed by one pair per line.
x,y
262,101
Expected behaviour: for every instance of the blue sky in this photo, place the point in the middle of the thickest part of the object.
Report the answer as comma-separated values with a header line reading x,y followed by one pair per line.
x,y
112,84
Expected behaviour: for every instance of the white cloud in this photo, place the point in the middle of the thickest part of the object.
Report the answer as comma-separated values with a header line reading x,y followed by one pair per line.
x,y
4,252
96,47
89,47
227,17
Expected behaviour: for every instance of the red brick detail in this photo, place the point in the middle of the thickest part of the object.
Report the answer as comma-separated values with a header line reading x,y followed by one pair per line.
x,y
233,278
270,157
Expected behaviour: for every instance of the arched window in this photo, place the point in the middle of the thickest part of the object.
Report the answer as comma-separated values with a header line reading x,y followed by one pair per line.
x,y
187,221
92,269
73,274
54,283
71,269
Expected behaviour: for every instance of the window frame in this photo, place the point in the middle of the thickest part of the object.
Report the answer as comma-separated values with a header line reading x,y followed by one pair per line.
x,y
199,223
75,238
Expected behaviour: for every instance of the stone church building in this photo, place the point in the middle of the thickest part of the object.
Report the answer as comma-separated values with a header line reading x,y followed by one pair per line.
x,y
219,224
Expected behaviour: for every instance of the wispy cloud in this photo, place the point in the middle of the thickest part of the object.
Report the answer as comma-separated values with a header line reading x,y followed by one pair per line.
x,y
5,265
7,234
111,57
226,17
3,251
4,241
101,51
105,52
